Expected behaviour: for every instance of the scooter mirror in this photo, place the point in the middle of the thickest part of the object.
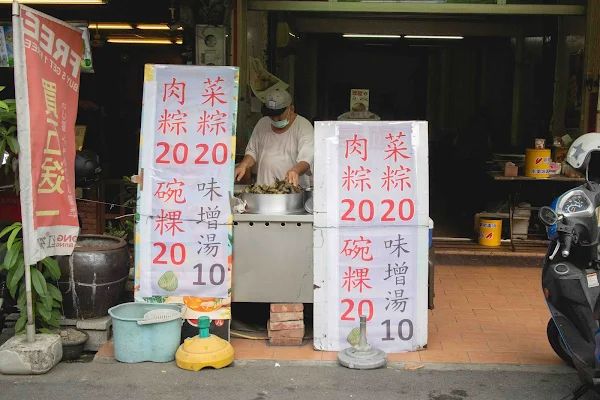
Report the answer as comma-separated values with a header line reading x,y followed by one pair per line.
x,y
548,216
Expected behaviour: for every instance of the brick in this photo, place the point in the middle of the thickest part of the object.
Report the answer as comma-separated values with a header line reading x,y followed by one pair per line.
x,y
286,307
280,326
105,353
289,333
285,341
287,316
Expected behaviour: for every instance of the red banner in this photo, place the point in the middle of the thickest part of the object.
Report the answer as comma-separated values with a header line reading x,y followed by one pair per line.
x,y
48,56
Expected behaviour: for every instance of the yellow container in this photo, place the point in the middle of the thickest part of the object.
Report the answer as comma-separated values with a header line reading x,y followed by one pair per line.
x,y
490,232
204,350
197,353
537,163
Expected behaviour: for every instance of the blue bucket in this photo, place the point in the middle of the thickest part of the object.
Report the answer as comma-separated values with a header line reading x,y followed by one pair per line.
x,y
156,342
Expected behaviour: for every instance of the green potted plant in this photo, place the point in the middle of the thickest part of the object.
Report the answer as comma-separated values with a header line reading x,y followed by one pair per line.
x,y
45,295
46,298
8,141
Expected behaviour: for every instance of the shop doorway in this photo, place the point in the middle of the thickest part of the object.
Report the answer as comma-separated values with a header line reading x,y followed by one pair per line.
x,y
463,88
395,73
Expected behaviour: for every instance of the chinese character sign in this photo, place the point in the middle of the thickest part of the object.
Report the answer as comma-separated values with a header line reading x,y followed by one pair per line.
x,y
359,100
48,55
371,214
183,237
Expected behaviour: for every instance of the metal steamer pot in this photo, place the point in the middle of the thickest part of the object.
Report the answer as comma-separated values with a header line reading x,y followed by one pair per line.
x,y
292,203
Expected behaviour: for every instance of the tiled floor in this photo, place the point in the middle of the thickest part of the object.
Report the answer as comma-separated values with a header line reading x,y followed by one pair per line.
x,y
482,315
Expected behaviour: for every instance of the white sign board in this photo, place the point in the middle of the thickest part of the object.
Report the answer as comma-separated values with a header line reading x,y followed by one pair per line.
x,y
183,236
371,212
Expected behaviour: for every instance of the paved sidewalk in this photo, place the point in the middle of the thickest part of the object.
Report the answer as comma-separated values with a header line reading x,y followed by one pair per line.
x,y
487,315
483,315
266,380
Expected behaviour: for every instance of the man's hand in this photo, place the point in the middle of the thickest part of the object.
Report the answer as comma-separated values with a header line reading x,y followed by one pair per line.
x,y
240,171
293,177
242,168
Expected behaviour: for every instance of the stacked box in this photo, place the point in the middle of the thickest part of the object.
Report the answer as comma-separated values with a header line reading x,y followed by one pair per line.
x,y
286,324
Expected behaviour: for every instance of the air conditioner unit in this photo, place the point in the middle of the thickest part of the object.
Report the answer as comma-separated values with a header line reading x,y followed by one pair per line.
x,y
210,45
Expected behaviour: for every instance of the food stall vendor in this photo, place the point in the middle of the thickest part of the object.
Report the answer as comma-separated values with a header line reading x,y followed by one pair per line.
x,y
281,145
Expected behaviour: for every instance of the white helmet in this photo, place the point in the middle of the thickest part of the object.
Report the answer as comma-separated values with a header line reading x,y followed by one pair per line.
x,y
580,152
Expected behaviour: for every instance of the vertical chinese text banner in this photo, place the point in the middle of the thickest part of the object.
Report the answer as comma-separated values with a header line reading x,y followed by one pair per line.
x,y
371,214
48,56
187,146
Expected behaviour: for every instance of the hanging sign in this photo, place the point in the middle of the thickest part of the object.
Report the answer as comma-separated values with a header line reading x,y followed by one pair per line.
x,y
187,147
6,46
359,100
48,54
371,234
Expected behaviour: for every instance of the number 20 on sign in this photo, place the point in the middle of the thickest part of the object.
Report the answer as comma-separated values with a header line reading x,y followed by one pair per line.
x,y
204,154
388,211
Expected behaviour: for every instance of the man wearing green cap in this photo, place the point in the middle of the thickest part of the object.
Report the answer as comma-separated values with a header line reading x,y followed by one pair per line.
x,y
281,145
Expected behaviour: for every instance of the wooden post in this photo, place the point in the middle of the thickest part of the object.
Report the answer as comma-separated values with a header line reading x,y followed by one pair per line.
x,y
561,81
241,60
517,84
591,68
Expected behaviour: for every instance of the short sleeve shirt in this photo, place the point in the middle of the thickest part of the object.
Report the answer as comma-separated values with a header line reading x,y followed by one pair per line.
x,y
277,153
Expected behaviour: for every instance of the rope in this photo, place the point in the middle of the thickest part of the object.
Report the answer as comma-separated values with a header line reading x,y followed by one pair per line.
x,y
144,215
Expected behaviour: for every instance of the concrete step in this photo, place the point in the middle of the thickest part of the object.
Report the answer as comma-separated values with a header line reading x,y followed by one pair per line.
x,y
527,253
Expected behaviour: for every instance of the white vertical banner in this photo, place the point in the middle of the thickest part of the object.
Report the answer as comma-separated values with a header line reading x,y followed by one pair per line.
x,y
371,213
47,54
183,234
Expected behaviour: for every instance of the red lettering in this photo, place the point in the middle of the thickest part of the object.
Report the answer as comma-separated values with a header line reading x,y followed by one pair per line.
x,y
203,150
161,157
163,249
361,309
366,210
177,254
346,215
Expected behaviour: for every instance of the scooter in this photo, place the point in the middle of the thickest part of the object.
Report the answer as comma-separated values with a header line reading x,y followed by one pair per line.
x,y
570,282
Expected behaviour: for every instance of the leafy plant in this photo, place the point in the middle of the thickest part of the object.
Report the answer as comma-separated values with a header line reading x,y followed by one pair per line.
x,y
117,228
46,298
8,136
124,227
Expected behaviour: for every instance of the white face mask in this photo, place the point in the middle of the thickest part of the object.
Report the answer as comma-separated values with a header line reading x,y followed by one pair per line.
x,y
281,123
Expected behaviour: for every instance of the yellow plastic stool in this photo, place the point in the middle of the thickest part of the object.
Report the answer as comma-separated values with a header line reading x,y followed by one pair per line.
x,y
204,350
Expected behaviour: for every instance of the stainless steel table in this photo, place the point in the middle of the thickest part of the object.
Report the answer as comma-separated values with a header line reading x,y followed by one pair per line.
x,y
272,258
